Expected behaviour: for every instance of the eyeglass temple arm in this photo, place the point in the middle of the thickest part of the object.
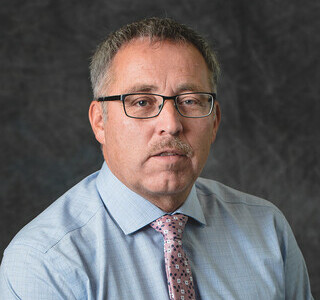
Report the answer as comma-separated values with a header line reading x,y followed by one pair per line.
x,y
110,98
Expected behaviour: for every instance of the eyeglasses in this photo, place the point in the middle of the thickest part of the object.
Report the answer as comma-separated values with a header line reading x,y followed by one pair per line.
x,y
146,105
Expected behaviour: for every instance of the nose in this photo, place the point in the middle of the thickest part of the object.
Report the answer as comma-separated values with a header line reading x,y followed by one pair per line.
x,y
169,120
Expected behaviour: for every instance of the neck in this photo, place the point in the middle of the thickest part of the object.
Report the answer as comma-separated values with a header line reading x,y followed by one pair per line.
x,y
167,202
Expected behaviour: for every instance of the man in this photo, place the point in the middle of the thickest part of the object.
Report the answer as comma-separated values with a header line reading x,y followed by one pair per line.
x,y
145,226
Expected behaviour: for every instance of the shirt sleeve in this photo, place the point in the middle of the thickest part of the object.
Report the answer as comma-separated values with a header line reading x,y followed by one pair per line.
x,y
297,284
26,274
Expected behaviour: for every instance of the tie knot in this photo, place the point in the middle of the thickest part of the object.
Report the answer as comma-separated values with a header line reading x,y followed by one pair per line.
x,y
171,227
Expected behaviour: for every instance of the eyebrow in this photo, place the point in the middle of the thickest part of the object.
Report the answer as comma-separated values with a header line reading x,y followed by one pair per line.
x,y
149,88
141,88
189,87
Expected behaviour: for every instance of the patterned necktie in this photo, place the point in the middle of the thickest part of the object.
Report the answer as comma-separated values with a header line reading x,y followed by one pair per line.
x,y
179,277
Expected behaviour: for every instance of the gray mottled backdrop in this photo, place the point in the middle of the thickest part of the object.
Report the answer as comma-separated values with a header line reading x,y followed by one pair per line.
x,y
268,143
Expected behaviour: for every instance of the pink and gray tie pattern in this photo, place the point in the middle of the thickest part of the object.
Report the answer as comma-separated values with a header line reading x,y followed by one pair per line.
x,y
179,277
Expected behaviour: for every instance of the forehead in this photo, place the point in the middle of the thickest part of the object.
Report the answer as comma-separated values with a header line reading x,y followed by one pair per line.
x,y
157,64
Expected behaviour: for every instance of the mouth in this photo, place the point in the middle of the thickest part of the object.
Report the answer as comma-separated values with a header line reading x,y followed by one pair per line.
x,y
170,152
169,156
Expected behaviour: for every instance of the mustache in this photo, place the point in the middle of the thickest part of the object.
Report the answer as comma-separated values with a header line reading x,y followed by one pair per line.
x,y
172,143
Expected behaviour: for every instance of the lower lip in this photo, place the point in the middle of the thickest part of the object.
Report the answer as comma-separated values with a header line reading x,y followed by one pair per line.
x,y
169,158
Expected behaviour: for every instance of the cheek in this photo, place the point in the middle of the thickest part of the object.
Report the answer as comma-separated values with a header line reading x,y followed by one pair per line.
x,y
129,139
133,133
201,140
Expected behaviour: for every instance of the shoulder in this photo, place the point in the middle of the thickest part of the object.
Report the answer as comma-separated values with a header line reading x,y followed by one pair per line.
x,y
216,191
246,215
230,205
46,251
67,214
258,228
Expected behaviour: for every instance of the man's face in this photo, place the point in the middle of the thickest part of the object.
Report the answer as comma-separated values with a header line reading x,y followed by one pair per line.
x,y
146,154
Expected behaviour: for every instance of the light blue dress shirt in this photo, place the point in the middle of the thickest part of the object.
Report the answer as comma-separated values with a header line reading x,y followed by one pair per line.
x,y
95,243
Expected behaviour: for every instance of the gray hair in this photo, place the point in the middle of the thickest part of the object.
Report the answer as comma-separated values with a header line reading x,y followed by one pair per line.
x,y
156,29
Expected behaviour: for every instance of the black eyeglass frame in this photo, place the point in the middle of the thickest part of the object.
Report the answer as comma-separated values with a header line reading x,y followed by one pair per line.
x,y
174,98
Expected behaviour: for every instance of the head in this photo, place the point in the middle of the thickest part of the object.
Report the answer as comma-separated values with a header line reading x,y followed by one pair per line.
x,y
159,158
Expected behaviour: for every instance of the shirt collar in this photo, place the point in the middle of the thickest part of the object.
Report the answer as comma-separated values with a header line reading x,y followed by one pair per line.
x,y
131,211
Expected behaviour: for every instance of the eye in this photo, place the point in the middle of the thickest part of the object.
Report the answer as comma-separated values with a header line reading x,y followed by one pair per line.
x,y
189,101
142,103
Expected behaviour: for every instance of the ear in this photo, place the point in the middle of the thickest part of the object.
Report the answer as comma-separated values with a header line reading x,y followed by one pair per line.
x,y
96,121
217,119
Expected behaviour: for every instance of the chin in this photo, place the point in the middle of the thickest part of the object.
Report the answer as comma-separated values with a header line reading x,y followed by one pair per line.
x,y
168,186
